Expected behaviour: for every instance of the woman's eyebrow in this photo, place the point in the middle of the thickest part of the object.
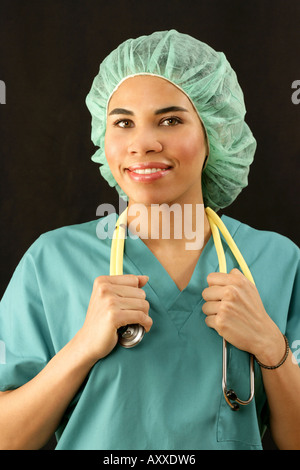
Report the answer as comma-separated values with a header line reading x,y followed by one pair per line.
x,y
121,111
170,109
127,112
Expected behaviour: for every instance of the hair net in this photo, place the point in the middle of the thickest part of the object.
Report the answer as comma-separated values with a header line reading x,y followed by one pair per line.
x,y
211,84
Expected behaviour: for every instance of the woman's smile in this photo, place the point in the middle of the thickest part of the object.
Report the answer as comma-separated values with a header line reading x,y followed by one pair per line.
x,y
148,172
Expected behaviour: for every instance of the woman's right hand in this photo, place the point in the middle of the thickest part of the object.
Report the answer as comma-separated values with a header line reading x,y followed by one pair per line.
x,y
115,301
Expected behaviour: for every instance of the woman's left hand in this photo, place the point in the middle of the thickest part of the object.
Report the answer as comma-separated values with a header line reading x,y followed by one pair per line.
x,y
235,310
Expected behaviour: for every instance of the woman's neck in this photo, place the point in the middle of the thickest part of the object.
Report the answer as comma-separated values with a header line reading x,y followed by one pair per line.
x,y
170,227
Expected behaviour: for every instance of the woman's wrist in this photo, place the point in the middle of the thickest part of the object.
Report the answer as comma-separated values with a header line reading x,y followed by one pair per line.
x,y
282,361
81,347
90,349
273,352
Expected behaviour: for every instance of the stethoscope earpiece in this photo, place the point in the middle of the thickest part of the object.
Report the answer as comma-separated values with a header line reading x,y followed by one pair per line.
x,y
231,395
235,407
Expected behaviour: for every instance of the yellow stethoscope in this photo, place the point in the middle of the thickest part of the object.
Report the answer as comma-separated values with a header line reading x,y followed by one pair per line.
x,y
130,335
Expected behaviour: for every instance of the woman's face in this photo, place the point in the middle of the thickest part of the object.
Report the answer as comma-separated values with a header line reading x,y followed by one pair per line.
x,y
152,124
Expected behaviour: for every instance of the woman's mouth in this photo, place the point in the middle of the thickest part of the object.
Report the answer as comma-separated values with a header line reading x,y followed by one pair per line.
x,y
147,175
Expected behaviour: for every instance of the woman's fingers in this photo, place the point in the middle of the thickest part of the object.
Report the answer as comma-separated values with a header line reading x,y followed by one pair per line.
x,y
213,293
129,292
210,308
134,280
128,317
223,279
127,285
134,304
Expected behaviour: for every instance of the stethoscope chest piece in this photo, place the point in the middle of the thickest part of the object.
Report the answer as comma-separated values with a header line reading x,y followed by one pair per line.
x,y
131,335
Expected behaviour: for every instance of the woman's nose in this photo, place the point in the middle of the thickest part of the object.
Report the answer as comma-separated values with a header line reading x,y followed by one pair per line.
x,y
143,143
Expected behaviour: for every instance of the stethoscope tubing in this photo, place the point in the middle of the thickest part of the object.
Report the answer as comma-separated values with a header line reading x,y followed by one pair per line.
x,y
217,226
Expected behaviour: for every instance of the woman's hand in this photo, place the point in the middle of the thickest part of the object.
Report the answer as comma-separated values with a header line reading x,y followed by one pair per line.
x,y
235,310
115,301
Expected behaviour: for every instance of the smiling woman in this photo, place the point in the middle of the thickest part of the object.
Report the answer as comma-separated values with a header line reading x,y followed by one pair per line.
x,y
168,118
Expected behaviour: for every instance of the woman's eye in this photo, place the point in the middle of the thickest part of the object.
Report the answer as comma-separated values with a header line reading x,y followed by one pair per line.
x,y
124,123
171,121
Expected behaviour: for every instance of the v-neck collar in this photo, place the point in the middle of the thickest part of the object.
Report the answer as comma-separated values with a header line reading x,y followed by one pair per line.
x,y
160,280
137,252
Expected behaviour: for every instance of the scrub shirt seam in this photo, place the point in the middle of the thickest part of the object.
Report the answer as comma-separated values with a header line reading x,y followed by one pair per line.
x,y
235,229
51,354
191,313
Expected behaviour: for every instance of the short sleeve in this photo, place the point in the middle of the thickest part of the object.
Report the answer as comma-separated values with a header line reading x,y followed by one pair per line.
x,y
25,342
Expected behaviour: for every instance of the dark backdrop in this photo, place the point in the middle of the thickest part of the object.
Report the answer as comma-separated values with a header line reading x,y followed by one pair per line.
x,y
50,51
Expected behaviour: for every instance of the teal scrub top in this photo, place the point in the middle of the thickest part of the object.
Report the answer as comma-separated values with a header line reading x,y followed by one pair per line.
x,y
166,393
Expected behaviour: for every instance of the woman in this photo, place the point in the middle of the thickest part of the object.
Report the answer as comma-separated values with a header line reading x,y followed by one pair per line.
x,y
168,103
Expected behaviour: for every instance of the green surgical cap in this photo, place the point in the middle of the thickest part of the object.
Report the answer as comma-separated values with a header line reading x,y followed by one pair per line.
x,y
211,84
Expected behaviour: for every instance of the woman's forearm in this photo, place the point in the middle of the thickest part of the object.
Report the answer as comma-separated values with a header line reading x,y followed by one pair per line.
x,y
30,414
282,387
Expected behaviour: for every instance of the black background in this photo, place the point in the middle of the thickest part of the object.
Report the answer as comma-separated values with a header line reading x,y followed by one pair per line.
x,y
50,51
